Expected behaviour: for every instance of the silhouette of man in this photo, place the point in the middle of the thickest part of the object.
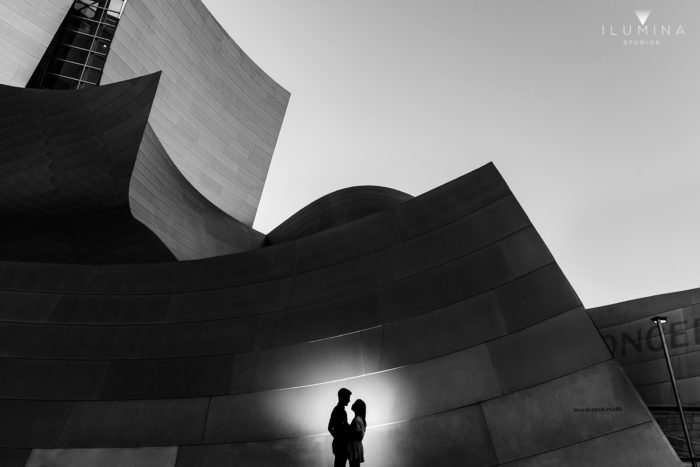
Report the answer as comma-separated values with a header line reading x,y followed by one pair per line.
x,y
338,428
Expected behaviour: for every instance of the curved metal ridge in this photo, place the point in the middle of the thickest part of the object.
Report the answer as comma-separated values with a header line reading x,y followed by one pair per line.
x,y
334,209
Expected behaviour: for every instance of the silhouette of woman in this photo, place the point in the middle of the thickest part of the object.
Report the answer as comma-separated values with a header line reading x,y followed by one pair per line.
x,y
356,453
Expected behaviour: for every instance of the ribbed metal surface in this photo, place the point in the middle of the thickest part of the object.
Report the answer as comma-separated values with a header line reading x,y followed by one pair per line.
x,y
445,313
66,159
28,26
217,114
66,152
188,224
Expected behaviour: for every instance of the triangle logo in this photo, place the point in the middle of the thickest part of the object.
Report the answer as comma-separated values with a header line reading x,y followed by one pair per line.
x,y
642,15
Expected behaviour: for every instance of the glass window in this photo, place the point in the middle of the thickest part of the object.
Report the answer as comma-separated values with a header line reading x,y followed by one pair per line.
x,y
91,75
100,45
107,31
97,61
58,82
78,23
115,7
77,39
65,68
80,46
71,54
87,8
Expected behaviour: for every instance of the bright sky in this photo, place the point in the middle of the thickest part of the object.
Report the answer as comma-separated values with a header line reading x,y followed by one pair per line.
x,y
598,140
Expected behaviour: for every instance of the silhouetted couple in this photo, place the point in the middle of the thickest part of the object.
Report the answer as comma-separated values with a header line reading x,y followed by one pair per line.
x,y
347,438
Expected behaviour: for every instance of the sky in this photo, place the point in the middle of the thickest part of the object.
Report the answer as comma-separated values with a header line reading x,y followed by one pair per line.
x,y
597,138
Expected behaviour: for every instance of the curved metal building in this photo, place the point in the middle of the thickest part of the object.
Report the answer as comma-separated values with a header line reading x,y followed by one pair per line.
x,y
216,116
61,200
445,312
454,324
634,340
201,164
216,113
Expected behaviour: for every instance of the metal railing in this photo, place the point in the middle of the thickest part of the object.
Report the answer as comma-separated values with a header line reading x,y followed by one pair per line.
x,y
667,416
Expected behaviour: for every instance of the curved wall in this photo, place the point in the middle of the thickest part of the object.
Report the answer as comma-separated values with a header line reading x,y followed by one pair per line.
x,y
446,313
66,152
103,236
185,221
216,113
66,159
26,30
335,209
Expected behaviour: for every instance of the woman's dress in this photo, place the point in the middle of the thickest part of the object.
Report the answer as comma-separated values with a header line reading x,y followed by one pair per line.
x,y
357,432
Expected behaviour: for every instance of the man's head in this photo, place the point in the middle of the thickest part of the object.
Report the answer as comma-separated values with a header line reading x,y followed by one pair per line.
x,y
344,396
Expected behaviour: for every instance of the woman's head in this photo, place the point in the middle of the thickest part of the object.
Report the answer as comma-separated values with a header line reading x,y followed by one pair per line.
x,y
360,409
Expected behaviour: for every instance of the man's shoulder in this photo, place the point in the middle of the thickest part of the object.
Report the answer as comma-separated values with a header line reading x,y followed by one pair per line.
x,y
338,411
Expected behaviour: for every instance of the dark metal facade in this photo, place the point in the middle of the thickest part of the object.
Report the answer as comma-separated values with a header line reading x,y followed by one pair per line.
x,y
446,313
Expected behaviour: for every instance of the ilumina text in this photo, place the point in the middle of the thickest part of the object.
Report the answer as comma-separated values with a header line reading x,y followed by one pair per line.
x,y
646,30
